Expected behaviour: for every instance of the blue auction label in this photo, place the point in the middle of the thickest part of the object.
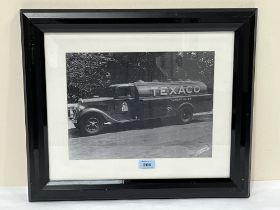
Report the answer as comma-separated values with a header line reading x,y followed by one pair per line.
x,y
147,164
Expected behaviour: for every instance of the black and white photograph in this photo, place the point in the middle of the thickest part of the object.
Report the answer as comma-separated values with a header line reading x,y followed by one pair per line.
x,y
131,105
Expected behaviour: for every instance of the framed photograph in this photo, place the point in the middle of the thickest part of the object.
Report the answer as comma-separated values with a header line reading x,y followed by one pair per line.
x,y
131,104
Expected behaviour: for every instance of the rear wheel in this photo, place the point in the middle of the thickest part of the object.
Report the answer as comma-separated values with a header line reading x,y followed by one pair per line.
x,y
91,125
185,115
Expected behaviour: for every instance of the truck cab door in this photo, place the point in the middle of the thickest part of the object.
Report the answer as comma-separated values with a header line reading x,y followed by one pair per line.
x,y
125,105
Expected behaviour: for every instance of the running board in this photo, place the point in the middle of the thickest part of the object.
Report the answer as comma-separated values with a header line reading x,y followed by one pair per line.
x,y
121,121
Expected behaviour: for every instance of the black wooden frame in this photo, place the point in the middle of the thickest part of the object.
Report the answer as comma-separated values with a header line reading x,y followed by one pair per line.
x,y
35,23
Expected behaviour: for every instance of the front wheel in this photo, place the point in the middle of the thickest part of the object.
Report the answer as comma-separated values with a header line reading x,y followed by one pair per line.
x,y
185,115
91,125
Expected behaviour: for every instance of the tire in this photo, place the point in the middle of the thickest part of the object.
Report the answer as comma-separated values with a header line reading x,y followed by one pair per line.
x,y
185,115
91,125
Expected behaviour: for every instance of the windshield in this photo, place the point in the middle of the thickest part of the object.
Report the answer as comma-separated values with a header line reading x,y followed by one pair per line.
x,y
124,92
108,92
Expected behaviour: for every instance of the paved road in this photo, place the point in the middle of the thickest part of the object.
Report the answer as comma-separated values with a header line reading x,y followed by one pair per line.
x,y
154,140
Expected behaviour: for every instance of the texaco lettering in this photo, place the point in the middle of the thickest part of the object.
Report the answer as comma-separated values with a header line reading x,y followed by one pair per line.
x,y
179,90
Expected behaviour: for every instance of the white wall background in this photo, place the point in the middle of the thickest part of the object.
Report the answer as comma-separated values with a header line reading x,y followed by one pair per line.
x,y
266,130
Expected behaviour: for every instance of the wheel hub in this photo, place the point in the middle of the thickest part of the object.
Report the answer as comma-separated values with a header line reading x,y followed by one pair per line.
x,y
92,124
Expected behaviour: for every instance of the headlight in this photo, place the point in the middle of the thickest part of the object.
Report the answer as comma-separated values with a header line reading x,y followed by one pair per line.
x,y
80,107
80,101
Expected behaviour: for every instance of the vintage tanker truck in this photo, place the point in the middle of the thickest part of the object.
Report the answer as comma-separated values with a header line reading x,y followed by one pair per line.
x,y
142,101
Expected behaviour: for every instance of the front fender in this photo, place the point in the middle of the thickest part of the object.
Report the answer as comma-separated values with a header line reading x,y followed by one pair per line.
x,y
99,112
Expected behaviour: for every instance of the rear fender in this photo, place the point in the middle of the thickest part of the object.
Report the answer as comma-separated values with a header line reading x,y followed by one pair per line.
x,y
186,104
